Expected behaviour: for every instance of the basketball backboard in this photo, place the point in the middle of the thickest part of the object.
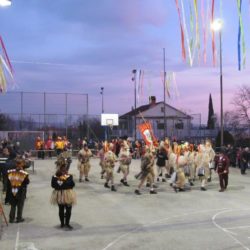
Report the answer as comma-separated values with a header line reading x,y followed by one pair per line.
x,y
109,120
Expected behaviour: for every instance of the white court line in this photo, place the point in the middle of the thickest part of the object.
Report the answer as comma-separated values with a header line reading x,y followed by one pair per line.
x,y
17,238
225,230
240,227
155,222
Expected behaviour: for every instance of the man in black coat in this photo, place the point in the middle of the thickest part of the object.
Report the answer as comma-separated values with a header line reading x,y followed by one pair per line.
x,y
245,157
17,183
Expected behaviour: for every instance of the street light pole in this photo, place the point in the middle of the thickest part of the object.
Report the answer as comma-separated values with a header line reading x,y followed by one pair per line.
x,y
105,128
164,93
102,92
217,26
221,96
134,80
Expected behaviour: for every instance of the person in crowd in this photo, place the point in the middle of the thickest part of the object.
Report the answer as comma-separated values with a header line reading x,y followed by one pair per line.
x,y
146,173
59,145
49,146
161,158
222,168
208,157
125,160
39,146
245,158
202,160
101,153
109,164
238,157
63,194
231,154
181,162
17,183
84,162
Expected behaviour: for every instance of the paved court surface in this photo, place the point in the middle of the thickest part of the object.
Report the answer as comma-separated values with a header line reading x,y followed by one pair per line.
x,y
106,220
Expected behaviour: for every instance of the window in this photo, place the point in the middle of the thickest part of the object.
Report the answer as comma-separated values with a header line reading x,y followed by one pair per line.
x,y
160,125
179,125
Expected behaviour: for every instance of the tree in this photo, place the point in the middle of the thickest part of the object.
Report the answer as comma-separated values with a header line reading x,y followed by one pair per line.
x,y
210,120
228,139
6,123
241,103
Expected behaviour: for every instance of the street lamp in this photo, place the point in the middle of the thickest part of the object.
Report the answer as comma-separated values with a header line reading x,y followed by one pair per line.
x,y
5,3
217,25
105,129
134,80
102,92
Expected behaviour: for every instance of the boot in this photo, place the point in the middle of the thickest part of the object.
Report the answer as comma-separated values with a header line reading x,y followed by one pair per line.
x,y
137,191
106,185
191,183
153,192
122,181
86,179
126,184
113,188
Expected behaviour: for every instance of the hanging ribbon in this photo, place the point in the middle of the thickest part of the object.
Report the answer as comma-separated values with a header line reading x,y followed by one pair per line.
x,y
241,38
204,31
186,34
168,82
207,30
5,54
197,35
191,43
6,67
175,85
213,38
2,79
182,32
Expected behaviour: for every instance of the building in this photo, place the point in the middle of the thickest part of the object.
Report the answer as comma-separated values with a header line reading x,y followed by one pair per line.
x,y
178,124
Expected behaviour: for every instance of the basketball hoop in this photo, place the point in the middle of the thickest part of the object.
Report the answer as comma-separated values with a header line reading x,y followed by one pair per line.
x,y
110,123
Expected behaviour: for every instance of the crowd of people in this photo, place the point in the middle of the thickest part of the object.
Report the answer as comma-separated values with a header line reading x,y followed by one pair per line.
x,y
182,164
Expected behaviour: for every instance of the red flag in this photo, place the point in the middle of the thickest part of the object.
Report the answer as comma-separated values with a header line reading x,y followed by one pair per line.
x,y
147,134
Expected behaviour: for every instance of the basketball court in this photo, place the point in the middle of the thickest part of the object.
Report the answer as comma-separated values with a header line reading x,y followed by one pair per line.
x,y
105,220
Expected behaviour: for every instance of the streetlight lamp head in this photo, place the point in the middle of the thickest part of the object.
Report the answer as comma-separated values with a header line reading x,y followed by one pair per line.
x,y
217,25
5,3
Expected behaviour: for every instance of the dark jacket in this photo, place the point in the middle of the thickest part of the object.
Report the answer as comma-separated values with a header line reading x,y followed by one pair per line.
x,y
21,190
222,164
161,157
62,182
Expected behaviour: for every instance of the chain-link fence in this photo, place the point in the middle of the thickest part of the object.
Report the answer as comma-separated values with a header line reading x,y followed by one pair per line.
x,y
60,113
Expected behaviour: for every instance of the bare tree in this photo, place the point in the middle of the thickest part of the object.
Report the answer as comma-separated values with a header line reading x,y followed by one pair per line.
x,y
241,103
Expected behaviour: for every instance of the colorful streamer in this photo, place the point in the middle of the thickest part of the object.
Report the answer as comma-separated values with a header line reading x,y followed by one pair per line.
x,y
6,67
191,43
186,34
182,32
213,35
2,79
5,54
197,35
241,38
